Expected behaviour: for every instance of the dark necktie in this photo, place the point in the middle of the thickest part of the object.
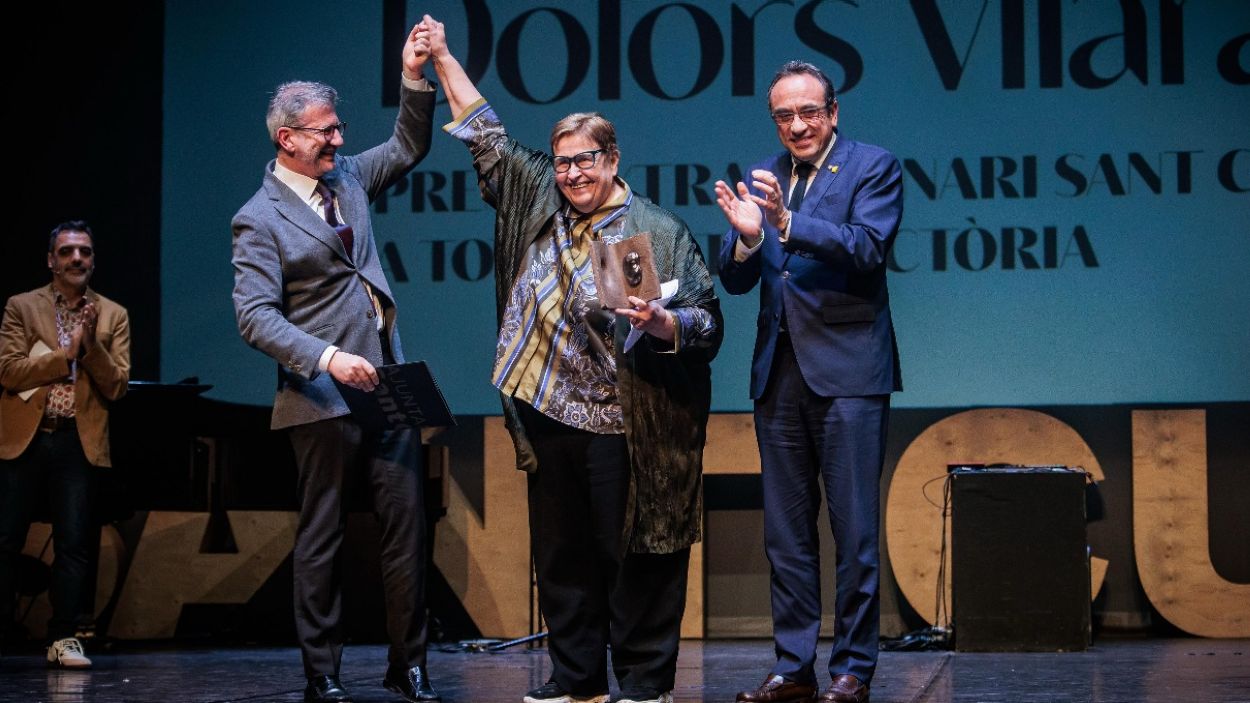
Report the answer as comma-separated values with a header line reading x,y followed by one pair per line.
x,y
802,170
343,231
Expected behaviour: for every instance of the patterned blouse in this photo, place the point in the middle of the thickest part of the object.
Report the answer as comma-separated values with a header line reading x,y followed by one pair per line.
x,y
555,342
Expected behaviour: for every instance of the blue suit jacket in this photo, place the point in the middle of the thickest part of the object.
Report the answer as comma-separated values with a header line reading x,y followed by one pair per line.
x,y
829,276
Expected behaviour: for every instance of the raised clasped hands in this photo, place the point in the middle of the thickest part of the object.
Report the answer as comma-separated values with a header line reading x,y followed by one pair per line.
x,y
417,49
437,36
746,211
649,317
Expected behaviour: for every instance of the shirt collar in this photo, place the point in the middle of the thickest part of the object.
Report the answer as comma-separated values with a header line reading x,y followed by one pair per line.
x,y
303,186
58,300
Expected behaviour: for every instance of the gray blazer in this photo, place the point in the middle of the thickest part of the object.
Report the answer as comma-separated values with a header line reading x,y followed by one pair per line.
x,y
295,289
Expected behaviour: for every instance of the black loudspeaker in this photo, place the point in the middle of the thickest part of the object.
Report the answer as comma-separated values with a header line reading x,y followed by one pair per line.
x,y
1019,560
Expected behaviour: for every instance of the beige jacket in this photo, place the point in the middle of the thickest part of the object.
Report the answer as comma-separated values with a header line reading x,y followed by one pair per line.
x,y
103,372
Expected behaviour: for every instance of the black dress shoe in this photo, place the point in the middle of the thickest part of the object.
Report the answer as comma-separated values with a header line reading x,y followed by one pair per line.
x,y
413,684
326,689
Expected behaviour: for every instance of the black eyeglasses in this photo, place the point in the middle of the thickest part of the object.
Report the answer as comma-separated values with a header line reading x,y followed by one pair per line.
x,y
327,131
810,115
583,161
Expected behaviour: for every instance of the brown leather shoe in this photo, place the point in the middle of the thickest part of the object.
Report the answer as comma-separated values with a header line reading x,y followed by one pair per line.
x,y
779,689
845,689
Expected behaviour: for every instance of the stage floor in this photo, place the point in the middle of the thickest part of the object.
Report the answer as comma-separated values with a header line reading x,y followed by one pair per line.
x,y
1132,671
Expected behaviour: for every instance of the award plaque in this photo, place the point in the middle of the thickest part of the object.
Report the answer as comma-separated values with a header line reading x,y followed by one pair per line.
x,y
623,269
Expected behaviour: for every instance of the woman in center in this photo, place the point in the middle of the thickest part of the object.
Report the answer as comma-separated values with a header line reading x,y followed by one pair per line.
x,y
610,429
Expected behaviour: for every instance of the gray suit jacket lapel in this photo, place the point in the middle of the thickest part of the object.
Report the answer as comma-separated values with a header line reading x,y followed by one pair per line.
x,y
300,215
354,209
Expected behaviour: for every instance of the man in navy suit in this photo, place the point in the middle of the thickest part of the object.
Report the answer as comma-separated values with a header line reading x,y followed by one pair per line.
x,y
814,229
309,292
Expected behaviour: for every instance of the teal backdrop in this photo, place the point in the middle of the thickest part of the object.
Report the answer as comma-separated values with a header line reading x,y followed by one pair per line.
x,y
1077,225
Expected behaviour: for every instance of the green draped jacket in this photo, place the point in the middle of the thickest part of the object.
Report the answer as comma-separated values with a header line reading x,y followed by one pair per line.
x,y
664,396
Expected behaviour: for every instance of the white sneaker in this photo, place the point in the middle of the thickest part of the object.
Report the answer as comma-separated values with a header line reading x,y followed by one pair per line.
x,y
663,698
67,654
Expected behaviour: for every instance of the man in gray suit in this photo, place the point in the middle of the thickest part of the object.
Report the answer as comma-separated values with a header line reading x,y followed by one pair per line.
x,y
309,292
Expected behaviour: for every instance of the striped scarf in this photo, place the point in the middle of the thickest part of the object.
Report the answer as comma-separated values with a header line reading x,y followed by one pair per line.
x,y
528,361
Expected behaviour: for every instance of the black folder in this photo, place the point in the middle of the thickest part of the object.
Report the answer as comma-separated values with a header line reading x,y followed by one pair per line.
x,y
406,396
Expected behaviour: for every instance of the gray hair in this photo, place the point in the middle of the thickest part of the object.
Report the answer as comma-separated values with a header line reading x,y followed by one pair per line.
x,y
290,100
591,125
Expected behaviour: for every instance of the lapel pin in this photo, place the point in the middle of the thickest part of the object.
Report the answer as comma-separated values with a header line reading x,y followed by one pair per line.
x,y
833,168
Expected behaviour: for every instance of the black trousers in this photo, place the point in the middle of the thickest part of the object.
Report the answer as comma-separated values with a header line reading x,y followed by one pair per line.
x,y
53,466
592,593
329,453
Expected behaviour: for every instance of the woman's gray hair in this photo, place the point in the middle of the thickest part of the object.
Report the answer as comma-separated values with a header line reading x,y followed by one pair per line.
x,y
591,125
290,100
